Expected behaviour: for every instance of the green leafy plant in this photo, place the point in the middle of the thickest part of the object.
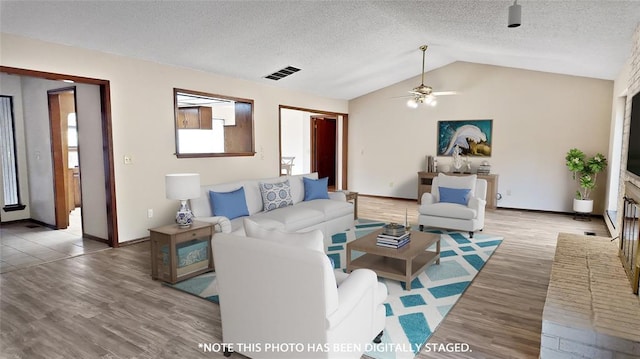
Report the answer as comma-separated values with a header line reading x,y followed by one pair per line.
x,y
585,170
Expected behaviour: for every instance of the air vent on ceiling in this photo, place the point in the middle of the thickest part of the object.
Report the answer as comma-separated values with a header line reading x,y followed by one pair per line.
x,y
282,73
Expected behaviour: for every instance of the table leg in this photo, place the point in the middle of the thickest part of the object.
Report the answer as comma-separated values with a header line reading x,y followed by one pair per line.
x,y
438,250
173,266
355,207
154,264
408,274
348,259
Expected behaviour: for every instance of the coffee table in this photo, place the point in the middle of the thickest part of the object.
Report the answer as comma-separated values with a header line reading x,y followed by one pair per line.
x,y
402,264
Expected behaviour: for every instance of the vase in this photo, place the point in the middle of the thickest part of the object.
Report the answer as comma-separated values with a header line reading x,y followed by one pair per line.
x,y
184,217
583,205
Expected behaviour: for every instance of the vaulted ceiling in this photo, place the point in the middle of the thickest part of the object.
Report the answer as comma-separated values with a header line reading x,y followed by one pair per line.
x,y
344,49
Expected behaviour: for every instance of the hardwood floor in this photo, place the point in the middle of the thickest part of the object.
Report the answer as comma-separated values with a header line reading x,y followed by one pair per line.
x,y
500,314
105,305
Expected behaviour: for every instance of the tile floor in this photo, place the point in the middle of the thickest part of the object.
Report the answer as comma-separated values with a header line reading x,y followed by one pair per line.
x,y
26,244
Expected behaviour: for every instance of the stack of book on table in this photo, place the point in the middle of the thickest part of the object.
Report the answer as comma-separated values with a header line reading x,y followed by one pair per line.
x,y
393,241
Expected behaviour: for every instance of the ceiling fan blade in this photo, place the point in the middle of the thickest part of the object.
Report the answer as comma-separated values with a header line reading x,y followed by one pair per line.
x,y
445,93
405,96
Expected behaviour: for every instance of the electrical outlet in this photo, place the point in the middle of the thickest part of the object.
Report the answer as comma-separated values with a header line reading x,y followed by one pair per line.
x,y
128,159
150,213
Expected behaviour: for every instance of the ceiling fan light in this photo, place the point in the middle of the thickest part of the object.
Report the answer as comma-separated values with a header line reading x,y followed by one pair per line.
x,y
412,103
433,103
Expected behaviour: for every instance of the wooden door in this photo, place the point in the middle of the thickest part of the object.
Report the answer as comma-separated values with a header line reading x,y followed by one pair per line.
x,y
323,147
61,104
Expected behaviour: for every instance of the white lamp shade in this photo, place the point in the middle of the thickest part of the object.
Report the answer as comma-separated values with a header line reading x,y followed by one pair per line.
x,y
182,186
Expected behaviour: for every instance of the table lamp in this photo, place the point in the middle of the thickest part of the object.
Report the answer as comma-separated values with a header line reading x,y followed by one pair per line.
x,y
183,186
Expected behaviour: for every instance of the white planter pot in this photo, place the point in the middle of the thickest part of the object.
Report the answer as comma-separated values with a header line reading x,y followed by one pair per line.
x,y
583,205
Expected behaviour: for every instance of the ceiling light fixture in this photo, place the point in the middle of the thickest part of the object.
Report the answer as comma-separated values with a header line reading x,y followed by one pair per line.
x,y
515,12
424,94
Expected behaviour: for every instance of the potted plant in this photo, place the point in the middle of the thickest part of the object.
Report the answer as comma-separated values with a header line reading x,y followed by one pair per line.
x,y
585,171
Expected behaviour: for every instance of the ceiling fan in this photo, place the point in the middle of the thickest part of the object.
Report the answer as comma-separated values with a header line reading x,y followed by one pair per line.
x,y
424,94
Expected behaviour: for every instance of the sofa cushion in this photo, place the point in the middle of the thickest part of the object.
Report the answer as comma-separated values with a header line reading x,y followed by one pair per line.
x,y
331,208
313,240
450,210
276,195
454,195
229,204
316,189
293,217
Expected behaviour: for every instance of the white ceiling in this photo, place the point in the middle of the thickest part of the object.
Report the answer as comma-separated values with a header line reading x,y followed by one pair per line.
x,y
344,48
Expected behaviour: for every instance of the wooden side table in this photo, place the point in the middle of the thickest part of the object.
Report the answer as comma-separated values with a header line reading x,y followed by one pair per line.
x,y
353,196
171,245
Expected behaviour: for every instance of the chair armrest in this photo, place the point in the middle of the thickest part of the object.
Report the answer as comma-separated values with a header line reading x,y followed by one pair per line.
x,y
338,196
476,203
220,223
350,292
427,198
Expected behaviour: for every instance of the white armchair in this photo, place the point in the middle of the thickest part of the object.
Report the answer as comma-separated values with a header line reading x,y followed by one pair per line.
x,y
285,290
455,202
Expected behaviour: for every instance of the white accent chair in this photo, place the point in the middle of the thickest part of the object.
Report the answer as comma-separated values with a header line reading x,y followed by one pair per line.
x,y
470,217
285,290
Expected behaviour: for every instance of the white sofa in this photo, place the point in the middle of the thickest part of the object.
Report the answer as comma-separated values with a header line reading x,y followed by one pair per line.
x,y
434,212
330,216
276,290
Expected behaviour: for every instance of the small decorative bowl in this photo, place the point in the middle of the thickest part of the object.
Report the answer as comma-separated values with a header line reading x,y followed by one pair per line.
x,y
394,229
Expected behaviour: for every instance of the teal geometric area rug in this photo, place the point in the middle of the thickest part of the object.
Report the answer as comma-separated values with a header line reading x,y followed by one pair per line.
x,y
412,316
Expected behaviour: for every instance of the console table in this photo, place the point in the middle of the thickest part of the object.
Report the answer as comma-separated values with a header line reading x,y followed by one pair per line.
x,y
426,178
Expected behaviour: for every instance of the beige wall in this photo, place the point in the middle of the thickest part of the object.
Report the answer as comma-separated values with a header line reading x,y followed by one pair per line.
x,y
536,117
143,124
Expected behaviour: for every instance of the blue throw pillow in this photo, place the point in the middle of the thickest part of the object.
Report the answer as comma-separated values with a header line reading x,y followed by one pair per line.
x,y
316,189
454,195
229,204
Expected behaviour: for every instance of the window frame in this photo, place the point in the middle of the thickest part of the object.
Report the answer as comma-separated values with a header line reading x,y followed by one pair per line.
x,y
19,205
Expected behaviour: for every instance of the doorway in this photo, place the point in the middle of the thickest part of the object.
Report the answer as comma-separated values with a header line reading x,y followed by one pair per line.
x,y
65,156
299,153
99,207
323,148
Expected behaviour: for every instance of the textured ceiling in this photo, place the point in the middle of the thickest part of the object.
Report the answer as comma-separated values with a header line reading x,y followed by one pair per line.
x,y
344,48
